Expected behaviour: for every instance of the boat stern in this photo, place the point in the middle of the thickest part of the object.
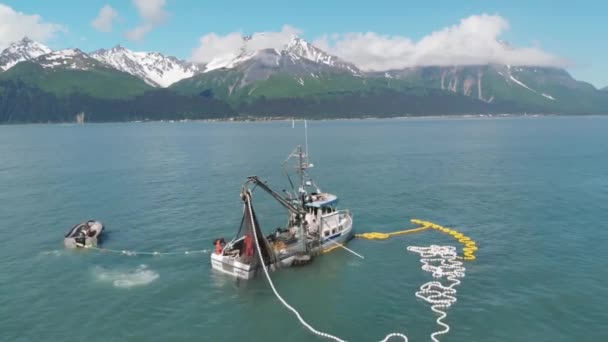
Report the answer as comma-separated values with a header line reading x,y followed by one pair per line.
x,y
232,266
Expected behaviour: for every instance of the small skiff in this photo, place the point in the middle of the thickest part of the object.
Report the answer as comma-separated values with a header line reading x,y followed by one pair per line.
x,y
85,234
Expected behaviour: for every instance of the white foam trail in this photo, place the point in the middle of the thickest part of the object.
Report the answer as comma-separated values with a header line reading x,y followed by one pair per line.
x,y
53,253
141,276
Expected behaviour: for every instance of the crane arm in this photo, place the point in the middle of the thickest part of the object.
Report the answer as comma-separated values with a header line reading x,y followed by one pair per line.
x,y
287,204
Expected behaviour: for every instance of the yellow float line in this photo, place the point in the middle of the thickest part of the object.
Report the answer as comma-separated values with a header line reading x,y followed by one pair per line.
x,y
469,245
382,236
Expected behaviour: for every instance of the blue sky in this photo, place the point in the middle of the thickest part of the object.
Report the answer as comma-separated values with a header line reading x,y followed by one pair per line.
x,y
574,32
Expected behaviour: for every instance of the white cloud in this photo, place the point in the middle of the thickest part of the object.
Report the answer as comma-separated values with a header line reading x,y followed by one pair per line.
x,y
139,32
475,40
152,13
213,45
216,46
16,25
104,20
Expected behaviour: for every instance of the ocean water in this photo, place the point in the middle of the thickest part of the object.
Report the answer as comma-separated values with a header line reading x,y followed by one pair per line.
x,y
532,191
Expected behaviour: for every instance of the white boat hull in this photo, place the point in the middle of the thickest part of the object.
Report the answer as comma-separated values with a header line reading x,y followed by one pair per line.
x,y
73,243
338,239
231,266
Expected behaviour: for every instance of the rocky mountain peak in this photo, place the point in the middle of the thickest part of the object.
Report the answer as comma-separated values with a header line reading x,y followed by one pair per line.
x,y
154,68
22,50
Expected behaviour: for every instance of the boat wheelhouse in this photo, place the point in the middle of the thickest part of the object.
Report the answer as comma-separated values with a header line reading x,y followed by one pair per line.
x,y
323,218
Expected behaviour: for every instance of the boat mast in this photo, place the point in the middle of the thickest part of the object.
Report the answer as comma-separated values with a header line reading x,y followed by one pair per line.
x,y
303,154
306,138
302,163
301,169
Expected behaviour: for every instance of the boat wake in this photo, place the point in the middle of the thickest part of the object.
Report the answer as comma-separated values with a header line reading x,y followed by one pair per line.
x,y
52,253
140,276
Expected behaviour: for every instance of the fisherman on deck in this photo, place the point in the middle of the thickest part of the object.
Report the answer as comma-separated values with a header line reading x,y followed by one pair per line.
x,y
219,245
248,245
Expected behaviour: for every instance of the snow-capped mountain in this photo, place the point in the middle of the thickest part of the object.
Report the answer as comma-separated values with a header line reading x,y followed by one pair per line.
x,y
36,52
252,71
159,70
290,72
22,50
154,68
299,47
73,59
295,50
489,82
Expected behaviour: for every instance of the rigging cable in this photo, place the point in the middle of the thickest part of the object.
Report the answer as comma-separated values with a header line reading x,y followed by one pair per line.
x,y
339,245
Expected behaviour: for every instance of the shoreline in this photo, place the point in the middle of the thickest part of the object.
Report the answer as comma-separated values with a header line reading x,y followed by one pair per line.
x,y
288,119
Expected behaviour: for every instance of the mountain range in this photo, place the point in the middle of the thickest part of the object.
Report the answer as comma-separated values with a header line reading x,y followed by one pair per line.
x,y
297,79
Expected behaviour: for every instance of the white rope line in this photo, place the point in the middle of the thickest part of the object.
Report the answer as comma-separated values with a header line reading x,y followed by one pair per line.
x,y
391,335
289,307
134,253
346,248
276,293
439,296
441,262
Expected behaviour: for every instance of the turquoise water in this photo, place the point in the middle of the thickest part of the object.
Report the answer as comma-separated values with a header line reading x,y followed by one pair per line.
x,y
533,193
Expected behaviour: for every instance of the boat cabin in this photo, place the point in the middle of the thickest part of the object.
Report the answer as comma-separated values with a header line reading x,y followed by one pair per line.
x,y
322,215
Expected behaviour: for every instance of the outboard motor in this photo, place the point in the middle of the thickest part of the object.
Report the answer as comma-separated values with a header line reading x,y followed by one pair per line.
x,y
81,238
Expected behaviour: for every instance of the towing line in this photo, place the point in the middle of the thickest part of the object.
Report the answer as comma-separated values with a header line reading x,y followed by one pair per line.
x,y
135,253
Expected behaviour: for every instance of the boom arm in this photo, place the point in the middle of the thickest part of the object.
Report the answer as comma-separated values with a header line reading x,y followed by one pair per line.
x,y
258,182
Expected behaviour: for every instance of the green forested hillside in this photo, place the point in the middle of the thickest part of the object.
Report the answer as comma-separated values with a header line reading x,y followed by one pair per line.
x,y
100,82
23,103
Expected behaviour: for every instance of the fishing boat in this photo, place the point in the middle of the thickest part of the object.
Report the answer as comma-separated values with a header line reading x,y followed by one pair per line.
x,y
84,234
314,225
